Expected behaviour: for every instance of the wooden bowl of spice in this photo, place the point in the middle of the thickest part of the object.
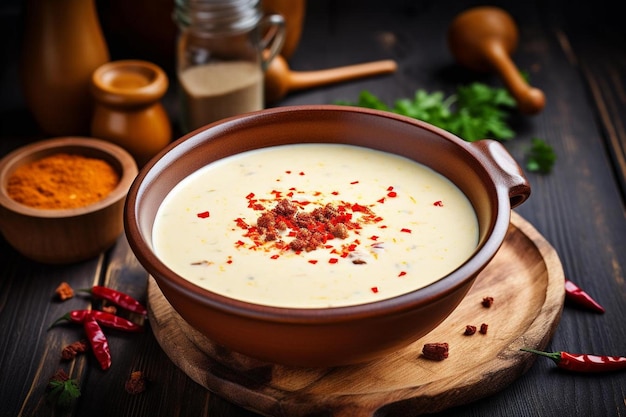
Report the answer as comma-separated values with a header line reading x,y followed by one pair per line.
x,y
62,199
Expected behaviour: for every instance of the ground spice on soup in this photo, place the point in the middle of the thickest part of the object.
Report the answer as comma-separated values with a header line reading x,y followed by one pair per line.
x,y
62,181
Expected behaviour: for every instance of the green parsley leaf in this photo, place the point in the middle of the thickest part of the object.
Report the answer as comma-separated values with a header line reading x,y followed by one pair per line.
x,y
474,112
63,393
541,157
477,111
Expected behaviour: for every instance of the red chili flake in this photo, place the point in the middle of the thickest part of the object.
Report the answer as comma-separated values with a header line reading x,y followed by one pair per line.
x,y
301,173
438,203
374,237
203,215
359,208
381,201
487,302
72,350
354,182
239,243
402,273
333,260
274,256
335,193
405,230
250,196
256,206
374,290
435,351
229,260
312,261
392,194
390,188
287,172
136,384
483,328
64,291
469,330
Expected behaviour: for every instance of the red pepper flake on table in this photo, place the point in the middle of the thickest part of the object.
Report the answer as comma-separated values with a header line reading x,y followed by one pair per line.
x,y
487,302
469,330
73,349
136,383
64,291
435,351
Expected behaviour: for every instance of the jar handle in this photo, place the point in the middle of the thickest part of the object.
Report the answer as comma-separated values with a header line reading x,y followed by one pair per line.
x,y
504,168
273,28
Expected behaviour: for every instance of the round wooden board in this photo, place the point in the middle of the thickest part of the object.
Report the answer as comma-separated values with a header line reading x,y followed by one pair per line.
x,y
526,281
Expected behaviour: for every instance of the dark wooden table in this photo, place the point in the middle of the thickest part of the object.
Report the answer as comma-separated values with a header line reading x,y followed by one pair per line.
x,y
574,52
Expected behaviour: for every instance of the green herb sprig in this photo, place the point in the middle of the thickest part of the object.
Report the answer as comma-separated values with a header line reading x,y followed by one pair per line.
x,y
540,157
61,390
477,111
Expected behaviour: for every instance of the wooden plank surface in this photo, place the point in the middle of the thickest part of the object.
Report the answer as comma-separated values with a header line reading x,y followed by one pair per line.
x,y
573,51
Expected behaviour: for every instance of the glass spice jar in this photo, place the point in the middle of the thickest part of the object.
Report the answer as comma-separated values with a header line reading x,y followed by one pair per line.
x,y
223,49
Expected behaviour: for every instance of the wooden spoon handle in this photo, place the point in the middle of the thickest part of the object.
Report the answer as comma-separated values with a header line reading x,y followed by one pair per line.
x,y
299,80
530,100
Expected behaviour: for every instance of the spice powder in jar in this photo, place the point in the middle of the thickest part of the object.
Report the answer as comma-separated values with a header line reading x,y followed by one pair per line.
x,y
62,181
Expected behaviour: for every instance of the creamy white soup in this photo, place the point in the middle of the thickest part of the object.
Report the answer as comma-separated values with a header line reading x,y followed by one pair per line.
x,y
314,225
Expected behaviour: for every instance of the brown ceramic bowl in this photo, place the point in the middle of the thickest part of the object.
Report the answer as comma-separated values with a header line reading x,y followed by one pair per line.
x,y
483,170
65,235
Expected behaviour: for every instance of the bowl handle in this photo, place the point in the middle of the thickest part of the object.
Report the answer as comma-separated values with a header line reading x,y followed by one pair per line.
x,y
505,171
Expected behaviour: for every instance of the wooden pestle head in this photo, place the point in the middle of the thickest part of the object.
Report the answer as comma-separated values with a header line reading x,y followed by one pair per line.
x,y
482,39
476,30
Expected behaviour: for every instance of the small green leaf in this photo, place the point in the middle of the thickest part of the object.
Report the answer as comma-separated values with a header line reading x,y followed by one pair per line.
x,y
63,393
540,157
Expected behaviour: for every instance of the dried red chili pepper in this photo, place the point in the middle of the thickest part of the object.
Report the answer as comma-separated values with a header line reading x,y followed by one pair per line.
x,y
583,362
102,317
575,294
98,341
118,298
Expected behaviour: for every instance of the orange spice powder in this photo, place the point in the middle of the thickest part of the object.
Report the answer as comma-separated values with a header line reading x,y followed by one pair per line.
x,y
62,181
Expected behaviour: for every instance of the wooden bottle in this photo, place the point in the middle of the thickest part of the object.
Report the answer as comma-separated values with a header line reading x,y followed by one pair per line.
x,y
62,45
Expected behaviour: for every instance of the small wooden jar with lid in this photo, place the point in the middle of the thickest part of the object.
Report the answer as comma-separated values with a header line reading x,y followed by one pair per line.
x,y
128,111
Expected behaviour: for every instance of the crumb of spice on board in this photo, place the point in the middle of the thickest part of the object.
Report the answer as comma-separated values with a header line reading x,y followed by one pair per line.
x,y
62,181
64,291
